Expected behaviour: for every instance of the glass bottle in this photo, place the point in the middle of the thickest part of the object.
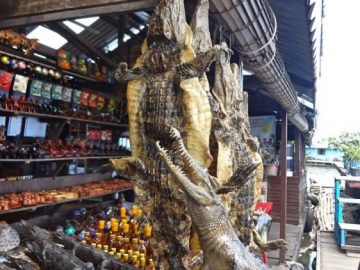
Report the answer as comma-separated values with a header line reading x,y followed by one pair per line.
x,y
125,258
126,244
151,265
126,233
142,264
112,242
119,242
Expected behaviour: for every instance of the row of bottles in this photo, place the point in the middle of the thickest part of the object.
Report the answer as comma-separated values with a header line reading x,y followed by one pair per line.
x,y
123,235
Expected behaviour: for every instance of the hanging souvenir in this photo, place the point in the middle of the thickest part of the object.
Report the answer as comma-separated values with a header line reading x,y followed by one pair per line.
x,y
14,64
92,100
22,65
35,88
5,80
73,63
76,98
100,103
63,59
82,64
58,75
52,72
97,72
45,71
5,59
111,105
56,92
90,68
67,94
46,90
38,70
20,83
104,73
84,99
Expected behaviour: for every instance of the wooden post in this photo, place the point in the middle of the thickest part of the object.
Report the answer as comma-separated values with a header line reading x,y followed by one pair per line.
x,y
298,154
283,188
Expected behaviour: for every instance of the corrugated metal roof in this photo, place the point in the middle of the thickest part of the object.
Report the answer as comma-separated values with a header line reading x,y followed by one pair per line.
x,y
102,32
298,34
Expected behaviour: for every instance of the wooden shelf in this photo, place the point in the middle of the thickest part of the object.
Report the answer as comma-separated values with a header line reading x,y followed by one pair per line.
x,y
60,117
29,160
34,207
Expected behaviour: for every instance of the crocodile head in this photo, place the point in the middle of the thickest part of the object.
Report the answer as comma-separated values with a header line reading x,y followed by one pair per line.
x,y
192,178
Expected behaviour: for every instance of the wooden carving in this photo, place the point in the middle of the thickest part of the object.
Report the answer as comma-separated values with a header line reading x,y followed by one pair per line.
x,y
12,38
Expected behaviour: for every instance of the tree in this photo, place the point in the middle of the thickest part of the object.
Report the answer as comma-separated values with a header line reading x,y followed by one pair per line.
x,y
349,144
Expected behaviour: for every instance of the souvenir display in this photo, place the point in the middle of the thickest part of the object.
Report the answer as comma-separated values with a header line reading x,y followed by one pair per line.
x,y
76,98
82,64
5,80
100,103
84,99
35,88
20,84
46,90
63,59
67,94
18,40
92,100
111,105
5,59
56,92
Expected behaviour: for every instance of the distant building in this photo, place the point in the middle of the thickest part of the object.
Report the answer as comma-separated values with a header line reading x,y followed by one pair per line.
x,y
323,153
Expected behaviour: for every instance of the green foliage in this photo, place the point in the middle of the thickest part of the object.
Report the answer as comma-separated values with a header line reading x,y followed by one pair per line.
x,y
348,143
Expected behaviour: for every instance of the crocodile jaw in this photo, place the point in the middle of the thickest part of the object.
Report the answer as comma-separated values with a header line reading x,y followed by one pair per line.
x,y
197,193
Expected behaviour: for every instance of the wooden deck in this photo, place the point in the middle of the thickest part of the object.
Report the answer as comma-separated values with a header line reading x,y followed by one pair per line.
x,y
330,257
293,238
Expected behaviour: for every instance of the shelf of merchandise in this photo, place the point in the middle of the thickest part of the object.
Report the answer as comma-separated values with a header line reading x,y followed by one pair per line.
x,y
35,207
29,160
60,117
16,54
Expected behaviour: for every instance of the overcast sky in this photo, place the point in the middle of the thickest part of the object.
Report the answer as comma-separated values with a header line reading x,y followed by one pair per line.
x,y
338,96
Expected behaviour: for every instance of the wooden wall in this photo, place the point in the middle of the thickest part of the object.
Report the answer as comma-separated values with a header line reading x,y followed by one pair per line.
x,y
295,194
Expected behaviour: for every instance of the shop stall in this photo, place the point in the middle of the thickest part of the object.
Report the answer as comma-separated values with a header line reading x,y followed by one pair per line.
x,y
146,134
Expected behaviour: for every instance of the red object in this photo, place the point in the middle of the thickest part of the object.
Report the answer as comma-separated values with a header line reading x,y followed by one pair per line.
x,y
264,258
265,207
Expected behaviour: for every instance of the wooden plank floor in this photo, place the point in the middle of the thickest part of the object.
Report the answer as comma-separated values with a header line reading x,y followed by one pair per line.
x,y
330,257
293,238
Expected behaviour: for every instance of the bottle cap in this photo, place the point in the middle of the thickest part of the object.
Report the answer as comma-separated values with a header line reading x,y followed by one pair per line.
x,y
93,245
139,213
83,241
118,255
137,253
122,251
119,237
112,236
98,234
113,250
111,253
87,233
99,246
101,224
130,252
134,240
151,262
142,255
126,240
126,257
134,258
106,247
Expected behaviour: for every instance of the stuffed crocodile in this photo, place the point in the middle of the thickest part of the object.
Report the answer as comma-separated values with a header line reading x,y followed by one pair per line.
x,y
220,244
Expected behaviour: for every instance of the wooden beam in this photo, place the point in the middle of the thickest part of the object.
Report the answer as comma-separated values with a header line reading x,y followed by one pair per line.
x,y
298,153
283,188
86,48
25,12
